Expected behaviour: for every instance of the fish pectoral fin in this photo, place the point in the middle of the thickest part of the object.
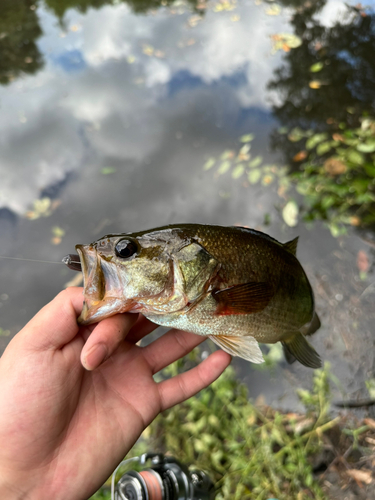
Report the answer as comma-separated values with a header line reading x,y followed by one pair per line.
x,y
244,347
298,347
246,298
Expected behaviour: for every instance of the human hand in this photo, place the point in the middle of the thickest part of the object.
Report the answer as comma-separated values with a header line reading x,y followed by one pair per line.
x,y
64,428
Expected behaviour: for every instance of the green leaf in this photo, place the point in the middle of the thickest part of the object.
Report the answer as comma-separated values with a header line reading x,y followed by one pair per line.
x,y
224,167
238,171
355,157
107,170
256,161
315,140
247,138
290,213
367,147
209,163
323,148
315,68
254,175
283,130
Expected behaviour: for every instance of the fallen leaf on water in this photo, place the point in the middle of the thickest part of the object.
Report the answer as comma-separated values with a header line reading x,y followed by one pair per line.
x,y
4,333
42,208
235,18
285,41
76,281
300,156
209,164
290,213
316,84
315,68
58,233
108,170
361,476
130,59
148,50
194,20
273,10
247,138
362,261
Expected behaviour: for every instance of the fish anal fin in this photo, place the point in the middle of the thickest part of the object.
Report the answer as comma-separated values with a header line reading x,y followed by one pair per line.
x,y
245,347
291,246
246,298
298,346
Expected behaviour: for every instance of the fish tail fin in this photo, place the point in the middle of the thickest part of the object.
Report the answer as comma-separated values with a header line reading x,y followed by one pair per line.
x,y
298,347
290,359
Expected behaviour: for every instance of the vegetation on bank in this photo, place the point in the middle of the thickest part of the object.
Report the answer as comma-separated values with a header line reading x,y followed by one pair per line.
x,y
257,452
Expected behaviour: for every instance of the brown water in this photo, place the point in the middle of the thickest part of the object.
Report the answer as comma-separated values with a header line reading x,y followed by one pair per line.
x,y
109,110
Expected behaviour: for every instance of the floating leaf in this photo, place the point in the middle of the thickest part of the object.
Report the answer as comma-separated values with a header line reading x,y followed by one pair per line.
x,y
4,333
209,163
267,179
290,213
315,84
224,167
228,153
107,170
245,149
238,171
254,176
315,68
247,138
285,41
273,10
256,161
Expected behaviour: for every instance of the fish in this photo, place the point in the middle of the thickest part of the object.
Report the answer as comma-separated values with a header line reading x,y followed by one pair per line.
x,y
235,285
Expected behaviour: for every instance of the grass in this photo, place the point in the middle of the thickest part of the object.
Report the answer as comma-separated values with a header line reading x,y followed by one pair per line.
x,y
250,452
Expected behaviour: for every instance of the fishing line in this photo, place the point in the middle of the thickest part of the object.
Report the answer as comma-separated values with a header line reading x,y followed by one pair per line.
x,y
32,260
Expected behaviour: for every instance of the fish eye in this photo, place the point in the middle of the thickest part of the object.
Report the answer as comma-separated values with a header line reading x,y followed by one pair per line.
x,y
126,248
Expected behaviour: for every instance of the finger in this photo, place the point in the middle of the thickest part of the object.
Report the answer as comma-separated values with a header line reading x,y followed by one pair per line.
x,y
56,324
105,339
170,347
142,328
184,386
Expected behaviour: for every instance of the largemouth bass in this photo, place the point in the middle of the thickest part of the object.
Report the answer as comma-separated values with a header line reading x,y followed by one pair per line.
x,y
235,285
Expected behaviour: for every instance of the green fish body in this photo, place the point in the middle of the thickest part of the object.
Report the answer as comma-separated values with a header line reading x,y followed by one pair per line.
x,y
235,285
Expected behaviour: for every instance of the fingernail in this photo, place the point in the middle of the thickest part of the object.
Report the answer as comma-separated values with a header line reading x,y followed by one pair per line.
x,y
95,356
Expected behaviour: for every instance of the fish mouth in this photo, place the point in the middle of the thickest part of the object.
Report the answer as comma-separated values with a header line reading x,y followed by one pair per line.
x,y
103,289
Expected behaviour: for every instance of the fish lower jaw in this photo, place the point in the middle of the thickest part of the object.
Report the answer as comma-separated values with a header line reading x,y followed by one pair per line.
x,y
97,310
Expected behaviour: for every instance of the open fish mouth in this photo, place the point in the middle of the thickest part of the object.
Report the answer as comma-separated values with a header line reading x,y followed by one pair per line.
x,y
103,290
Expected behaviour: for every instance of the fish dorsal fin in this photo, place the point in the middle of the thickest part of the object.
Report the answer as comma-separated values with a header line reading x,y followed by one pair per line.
x,y
291,246
246,298
244,347
298,346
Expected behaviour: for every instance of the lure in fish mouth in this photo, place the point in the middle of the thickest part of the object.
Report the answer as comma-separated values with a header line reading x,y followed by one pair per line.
x,y
235,285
